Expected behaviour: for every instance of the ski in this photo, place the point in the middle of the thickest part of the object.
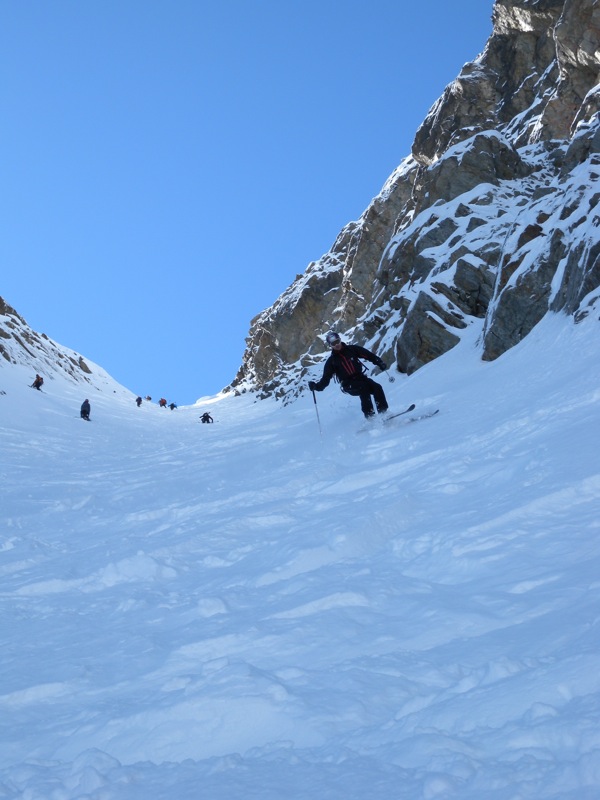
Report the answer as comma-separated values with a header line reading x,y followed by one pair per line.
x,y
385,420
422,416
400,413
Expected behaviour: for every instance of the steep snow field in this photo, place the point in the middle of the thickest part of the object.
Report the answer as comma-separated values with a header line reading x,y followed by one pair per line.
x,y
251,609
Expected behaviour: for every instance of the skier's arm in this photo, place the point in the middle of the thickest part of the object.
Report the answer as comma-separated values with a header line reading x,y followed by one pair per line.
x,y
369,356
325,379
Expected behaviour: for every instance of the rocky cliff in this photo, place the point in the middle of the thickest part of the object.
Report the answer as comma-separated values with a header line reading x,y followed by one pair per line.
x,y
490,223
36,353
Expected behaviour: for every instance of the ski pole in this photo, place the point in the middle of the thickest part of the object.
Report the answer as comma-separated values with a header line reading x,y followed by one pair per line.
x,y
317,410
391,379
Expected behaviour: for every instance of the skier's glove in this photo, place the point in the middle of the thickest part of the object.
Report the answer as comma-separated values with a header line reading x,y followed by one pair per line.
x,y
383,366
312,386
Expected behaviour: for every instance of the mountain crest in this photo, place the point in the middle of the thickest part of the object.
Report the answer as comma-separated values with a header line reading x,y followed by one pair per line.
x,y
21,345
489,224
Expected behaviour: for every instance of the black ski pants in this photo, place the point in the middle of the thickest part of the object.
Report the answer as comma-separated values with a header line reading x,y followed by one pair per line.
x,y
364,388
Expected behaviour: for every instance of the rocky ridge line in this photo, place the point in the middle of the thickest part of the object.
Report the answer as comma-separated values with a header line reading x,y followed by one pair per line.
x,y
490,222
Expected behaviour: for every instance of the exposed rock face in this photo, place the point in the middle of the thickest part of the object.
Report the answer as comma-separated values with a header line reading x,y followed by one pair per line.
x,y
490,224
19,344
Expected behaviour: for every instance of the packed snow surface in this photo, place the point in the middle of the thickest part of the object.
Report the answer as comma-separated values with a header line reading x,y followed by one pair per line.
x,y
258,608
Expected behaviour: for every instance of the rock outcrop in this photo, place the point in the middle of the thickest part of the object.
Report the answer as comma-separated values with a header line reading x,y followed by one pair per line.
x,y
20,344
491,222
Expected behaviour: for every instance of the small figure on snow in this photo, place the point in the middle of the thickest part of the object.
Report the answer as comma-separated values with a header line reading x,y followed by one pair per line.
x,y
38,382
85,410
148,398
345,365
162,402
206,417
139,401
172,406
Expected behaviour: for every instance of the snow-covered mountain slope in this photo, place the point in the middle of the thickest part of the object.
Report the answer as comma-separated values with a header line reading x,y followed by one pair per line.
x,y
26,352
250,609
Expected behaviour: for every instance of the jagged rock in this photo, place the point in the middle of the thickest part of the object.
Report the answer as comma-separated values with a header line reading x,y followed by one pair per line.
x,y
581,277
581,147
472,288
506,81
425,335
485,158
522,303
8,311
493,219
576,36
20,344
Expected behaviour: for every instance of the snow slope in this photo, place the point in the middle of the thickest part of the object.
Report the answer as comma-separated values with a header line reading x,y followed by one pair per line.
x,y
253,610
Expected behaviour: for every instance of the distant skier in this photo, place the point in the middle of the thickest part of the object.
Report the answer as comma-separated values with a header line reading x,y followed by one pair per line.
x,y
344,364
172,406
85,410
38,382
206,417
162,402
139,401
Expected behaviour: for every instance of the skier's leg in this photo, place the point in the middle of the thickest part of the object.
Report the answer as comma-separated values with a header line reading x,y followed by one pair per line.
x,y
380,399
366,403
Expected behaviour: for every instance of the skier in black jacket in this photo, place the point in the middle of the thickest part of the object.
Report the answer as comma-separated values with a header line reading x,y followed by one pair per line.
x,y
85,410
344,364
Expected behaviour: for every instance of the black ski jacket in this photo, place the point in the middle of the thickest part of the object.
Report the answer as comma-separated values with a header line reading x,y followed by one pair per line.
x,y
345,365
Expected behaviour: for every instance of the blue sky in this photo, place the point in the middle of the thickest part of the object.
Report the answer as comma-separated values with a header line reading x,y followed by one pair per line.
x,y
169,167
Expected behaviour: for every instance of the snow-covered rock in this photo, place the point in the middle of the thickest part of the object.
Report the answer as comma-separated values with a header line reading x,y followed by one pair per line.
x,y
491,222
